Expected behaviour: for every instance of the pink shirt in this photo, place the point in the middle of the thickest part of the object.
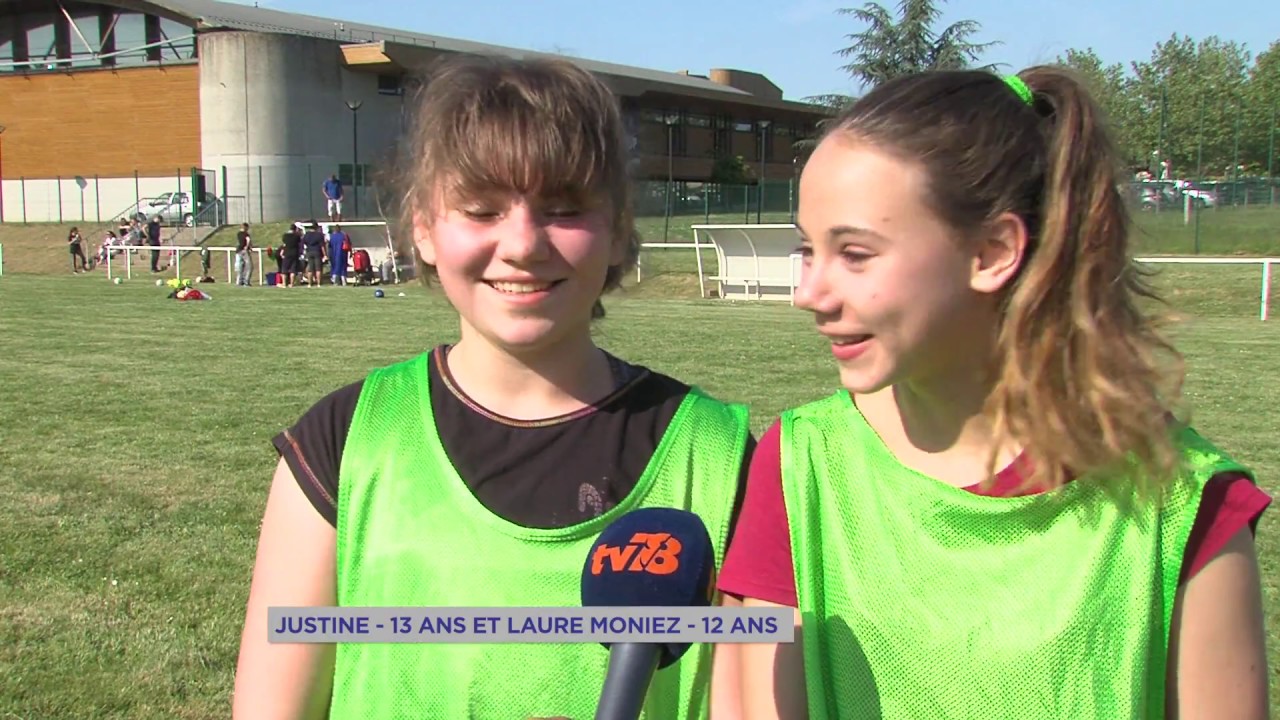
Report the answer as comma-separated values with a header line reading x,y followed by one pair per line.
x,y
758,563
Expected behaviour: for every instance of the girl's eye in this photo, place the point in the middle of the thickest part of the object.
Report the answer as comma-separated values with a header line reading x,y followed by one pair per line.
x,y
479,214
563,212
855,256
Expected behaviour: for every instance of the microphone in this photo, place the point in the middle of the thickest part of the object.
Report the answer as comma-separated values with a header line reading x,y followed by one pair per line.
x,y
652,557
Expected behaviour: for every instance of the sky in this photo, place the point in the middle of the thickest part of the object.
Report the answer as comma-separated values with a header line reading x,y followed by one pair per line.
x,y
794,42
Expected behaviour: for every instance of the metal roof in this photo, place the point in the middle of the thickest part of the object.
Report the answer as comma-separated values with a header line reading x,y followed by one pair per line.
x,y
234,16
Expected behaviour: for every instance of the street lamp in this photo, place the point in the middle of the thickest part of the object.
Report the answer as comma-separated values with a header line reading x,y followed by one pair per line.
x,y
670,120
354,107
764,135
791,186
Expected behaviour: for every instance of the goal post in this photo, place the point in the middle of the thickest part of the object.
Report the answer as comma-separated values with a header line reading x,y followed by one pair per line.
x,y
1265,262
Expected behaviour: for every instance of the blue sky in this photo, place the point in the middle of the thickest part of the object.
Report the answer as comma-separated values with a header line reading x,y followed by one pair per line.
x,y
793,42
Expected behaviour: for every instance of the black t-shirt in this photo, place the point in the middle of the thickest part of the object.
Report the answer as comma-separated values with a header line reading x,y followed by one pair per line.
x,y
313,241
548,474
291,243
242,240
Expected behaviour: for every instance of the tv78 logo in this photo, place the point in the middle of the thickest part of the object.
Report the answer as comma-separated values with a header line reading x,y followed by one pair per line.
x,y
655,553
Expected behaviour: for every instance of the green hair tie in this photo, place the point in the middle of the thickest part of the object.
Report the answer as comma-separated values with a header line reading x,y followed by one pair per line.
x,y
1020,87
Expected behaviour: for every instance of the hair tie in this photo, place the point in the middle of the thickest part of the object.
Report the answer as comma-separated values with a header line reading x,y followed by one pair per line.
x,y
1019,87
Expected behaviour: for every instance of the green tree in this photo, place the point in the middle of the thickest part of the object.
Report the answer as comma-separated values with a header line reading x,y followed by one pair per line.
x,y
1112,88
1261,137
1201,86
891,46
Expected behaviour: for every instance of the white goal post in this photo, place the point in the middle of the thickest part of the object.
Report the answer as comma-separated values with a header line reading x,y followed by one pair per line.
x,y
1266,264
707,240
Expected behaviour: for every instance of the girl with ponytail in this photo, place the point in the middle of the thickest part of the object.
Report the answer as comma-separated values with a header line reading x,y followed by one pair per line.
x,y
1000,515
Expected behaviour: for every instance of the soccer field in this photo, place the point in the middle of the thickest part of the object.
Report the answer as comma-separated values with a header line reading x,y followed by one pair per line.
x,y
136,449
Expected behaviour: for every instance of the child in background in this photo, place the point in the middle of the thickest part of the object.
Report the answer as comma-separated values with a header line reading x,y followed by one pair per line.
x,y
479,473
966,253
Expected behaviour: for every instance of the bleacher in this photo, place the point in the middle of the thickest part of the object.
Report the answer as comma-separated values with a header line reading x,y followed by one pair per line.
x,y
754,262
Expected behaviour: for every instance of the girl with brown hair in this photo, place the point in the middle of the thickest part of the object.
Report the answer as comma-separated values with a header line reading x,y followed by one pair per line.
x,y
999,515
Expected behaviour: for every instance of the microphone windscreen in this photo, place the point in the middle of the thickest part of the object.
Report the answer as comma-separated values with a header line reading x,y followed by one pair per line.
x,y
652,557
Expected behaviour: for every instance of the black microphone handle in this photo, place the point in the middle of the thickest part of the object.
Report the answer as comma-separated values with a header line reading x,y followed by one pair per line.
x,y
631,669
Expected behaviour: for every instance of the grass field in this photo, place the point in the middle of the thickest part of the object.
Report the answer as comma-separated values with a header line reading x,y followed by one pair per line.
x,y
136,448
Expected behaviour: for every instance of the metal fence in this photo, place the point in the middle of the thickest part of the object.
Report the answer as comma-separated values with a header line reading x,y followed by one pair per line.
x,y
1224,214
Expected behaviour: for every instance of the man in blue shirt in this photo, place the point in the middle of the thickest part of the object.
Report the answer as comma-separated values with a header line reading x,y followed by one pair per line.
x,y
333,196
339,247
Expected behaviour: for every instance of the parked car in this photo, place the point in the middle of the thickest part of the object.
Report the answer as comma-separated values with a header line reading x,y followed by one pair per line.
x,y
1170,194
174,208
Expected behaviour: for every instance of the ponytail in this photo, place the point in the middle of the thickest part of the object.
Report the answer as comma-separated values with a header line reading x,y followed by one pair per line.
x,y
1084,379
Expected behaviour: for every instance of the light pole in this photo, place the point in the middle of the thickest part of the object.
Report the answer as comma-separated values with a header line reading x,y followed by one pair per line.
x,y
670,121
791,186
354,107
764,135
1,174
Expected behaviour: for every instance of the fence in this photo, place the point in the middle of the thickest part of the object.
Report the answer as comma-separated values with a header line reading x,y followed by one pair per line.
x,y
1216,217
244,193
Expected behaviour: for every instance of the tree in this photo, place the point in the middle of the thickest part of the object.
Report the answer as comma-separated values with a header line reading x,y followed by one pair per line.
x,y
1201,86
1112,88
1261,139
890,47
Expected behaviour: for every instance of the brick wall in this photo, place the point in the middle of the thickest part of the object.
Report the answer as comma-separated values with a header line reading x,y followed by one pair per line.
x,y
101,122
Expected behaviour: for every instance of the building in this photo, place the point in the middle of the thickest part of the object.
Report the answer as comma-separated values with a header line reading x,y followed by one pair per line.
x,y
247,110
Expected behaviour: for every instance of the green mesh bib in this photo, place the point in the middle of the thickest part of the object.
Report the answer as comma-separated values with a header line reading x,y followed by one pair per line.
x,y
410,533
922,600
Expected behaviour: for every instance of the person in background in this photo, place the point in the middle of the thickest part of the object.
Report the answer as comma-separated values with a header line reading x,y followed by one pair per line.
x,y
244,256
339,248
313,249
75,243
291,249
153,239
333,198
205,262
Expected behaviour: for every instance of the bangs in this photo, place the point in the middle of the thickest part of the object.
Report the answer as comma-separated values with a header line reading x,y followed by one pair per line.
x,y
508,142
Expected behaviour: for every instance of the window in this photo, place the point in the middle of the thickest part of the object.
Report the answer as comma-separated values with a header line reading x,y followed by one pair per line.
x,y
83,39
699,121
345,174
744,126
390,85
652,116
722,140
41,41
130,34
6,43
178,45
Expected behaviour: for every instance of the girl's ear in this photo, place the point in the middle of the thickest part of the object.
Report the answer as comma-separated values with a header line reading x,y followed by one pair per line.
x,y
1000,253
422,239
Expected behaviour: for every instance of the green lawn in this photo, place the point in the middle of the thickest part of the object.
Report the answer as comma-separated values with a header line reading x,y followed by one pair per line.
x,y
136,449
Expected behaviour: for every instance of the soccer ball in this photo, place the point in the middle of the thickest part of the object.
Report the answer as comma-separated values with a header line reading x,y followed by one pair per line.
x,y
378,293
116,281
159,283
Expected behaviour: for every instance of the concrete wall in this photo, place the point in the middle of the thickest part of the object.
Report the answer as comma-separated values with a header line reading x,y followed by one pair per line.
x,y
272,113
82,200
